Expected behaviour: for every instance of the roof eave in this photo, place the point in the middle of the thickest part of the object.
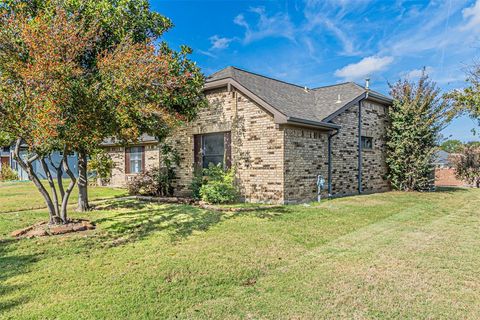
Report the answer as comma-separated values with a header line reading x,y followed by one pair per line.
x,y
311,124
379,98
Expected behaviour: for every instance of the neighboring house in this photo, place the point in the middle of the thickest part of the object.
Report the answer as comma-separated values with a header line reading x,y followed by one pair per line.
x,y
278,136
5,157
8,159
445,172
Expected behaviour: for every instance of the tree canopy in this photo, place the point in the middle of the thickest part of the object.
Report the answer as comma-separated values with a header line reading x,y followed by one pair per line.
x,y
467,100
417,116
451,146
69,78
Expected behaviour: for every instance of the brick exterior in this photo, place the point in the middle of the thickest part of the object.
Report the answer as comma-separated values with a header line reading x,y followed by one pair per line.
x,y
257,145
306,157
119,178
277,163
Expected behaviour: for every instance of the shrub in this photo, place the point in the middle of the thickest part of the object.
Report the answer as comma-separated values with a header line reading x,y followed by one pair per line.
x,y
7,174
218,185
417,116
467,164
157,181
101,165
197,183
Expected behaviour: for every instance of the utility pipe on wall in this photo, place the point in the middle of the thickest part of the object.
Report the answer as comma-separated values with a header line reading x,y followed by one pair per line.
x,y
330,164
360,107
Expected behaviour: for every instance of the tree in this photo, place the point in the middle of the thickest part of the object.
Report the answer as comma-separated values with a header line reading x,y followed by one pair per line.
x,y
417,116
451,146
40,72
467,101
51,100
467,164
118,20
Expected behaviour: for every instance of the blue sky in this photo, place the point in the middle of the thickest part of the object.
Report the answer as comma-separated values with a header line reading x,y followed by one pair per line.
x,y
315,43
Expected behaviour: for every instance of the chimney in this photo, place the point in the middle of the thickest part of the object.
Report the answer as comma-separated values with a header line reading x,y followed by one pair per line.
x,y
339,99
367,83
305,89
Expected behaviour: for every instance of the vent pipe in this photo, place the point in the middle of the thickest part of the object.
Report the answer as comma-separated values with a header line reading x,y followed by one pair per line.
x,y
367,83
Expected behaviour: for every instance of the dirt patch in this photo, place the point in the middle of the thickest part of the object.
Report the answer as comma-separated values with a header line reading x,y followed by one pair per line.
x,y
43,229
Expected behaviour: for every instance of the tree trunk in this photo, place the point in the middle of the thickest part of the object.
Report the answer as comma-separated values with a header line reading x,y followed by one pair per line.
x,y
53,190
27,166
82,183
68,191
59,171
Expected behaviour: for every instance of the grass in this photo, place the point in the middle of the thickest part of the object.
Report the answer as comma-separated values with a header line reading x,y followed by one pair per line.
x,y
21,196
391,255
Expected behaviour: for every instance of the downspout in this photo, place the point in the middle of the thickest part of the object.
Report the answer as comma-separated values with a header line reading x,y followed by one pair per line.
x,y
360,107
330,136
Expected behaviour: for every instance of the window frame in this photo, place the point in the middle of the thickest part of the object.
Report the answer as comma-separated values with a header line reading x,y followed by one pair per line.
x,y
128,159
364,140
199,149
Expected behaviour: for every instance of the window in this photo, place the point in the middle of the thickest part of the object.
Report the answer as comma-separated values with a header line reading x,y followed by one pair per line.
x,y
134,160
6,149
212,148
367,143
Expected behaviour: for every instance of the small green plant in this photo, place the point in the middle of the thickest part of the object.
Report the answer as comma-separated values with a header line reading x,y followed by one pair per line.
x,y
218,185
101,165
7,174
197,183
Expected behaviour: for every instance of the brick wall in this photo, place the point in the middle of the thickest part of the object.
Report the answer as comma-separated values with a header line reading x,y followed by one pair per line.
x,y
257,145
306,157
445,177
345,151
117,153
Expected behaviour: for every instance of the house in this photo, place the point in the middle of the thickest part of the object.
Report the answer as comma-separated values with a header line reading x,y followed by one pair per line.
x,y
279,137
6,156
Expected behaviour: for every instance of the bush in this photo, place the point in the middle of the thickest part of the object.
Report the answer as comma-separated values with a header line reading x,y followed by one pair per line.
x,y
7,174
197,183
218,185
417,116
101,165
157,181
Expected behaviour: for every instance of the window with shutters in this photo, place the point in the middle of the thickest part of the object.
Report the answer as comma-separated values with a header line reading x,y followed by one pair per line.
x,y
135,160
212,148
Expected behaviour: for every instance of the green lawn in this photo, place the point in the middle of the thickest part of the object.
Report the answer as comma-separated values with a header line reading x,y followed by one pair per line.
x,y
19,196
391,255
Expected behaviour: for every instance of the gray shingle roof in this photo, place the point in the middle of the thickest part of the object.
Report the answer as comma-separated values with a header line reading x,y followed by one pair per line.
x,y
293,100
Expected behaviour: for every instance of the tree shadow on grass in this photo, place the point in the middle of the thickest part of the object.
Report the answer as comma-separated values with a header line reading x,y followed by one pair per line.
x,y
451,189
11,265
113,204
178,220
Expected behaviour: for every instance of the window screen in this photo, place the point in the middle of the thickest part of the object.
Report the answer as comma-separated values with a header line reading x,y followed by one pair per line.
x,y
367,142
136,158
213,149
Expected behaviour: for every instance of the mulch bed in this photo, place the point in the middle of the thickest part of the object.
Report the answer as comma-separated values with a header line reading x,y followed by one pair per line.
x,y
43,229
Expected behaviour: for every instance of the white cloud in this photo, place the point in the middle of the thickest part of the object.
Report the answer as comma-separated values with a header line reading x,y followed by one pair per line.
x,y
364,67
417,73
220,42
473,15
277,25
346,40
